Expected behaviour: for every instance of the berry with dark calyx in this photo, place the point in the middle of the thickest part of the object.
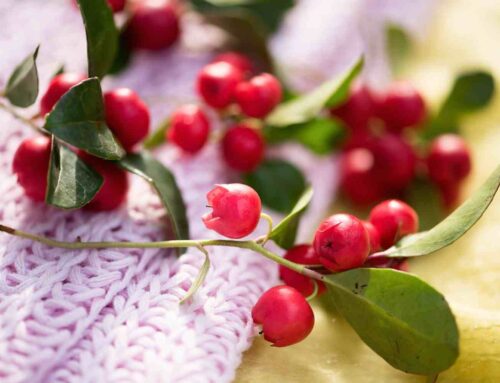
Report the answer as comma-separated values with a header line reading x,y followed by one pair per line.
x,y
449,160
127,116
154,25
258,96
357,111
31,164
238,60
235,212
393,219
217,82
304,255
373,235
114,189
401,106
285,316
58,86
243,148
342,242
189,128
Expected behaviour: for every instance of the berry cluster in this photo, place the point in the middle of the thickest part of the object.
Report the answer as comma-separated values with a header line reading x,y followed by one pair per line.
x,y
341,242
126,115
228,86
380,158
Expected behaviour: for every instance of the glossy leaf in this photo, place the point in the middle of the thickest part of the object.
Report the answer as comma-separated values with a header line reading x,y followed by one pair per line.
x,y
71,183
279,184
284,233
22,86
400,317
102,36
308,106
452,227
157,138
163,181
78,118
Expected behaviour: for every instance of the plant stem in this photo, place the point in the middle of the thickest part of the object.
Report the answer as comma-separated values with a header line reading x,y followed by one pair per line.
x,y
21,118
251,245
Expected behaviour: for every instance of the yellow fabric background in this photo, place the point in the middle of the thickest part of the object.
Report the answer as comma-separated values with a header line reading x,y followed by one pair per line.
x,y
465,34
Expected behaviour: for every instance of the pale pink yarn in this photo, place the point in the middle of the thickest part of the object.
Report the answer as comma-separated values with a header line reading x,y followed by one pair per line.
x,y
113,315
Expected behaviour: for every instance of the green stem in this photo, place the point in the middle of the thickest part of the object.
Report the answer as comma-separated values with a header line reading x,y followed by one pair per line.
x,y
21,118
251,245
262,240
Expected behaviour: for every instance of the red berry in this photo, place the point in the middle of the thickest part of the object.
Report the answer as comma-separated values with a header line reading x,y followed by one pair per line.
x,y
304,255
117,5
127,116
449,160
342,242
31,164
114,189
258,96
401,106
373,235
217,83
235,212
189,128
393,219
357,111
154,25
243,148
358,181
58,86
238,60
285,316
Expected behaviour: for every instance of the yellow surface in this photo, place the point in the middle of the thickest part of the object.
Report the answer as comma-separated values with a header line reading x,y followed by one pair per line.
x,y
466,34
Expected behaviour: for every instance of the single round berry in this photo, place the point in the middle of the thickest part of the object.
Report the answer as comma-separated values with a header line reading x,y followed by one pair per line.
x,y
342,242
449,160
127,116
31,165
373,235
393,219
304,255
235,212
358,180
189,128
285,316
58,86
238,60
401,106
154,25
258,96
114,189
357,111
217,82
243,148
117,5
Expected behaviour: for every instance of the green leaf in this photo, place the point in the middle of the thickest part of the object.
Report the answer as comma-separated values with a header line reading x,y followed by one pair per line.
x,y
284,233
59,71
22,86
451,228
320,135
79,119
157,138
123,55
308,106
398,46
102,36
400,317
71,183
424,197
145,166
278,183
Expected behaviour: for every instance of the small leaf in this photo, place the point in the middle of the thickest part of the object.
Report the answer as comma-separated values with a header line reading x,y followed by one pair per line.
x,y
71,183
320,135
398,46
451,228
400,317
308,106
59,71
145,166
157,138
278,183
102,36
284,233
424,197
22,87
78,119
123,55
